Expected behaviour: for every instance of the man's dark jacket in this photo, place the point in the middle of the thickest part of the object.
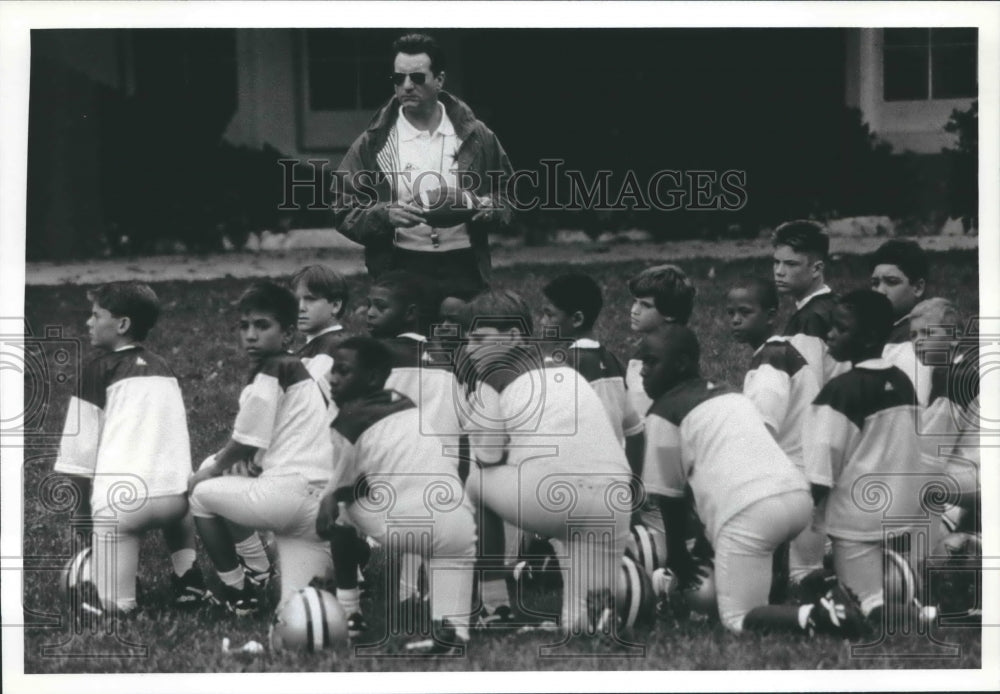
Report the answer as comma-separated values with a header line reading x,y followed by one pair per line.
x,y
361,202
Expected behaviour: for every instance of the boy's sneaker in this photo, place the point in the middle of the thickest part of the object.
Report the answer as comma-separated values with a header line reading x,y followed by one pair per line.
x,y
837,613
241,602
356,625
444,642
190,589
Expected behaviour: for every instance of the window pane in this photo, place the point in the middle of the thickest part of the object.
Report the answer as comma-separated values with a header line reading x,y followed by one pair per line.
x,y
905,37
954,72
904,74
940,37
332,85
333,81
375,84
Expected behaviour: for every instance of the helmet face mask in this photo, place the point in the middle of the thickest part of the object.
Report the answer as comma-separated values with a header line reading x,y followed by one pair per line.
x,y
310,620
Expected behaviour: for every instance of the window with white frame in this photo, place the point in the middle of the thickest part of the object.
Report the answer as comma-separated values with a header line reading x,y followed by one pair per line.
x,y
348,69
923,63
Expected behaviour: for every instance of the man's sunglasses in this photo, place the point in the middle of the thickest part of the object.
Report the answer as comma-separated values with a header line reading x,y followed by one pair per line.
x,y
418,78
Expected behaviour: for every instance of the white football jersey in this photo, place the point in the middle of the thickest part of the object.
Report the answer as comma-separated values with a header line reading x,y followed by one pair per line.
x,y
782,386
282,413
128,428
860,440
704,434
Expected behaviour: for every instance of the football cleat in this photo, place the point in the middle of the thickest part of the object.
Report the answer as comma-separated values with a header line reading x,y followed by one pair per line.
x,y
837,613
310,620
504,618
190,589
241,602
356,625
444,642
261,580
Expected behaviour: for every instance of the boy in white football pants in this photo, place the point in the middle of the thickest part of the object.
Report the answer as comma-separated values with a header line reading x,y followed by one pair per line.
x,y
861,448
749,496
396,485
545,457
782,386
131,457
281,429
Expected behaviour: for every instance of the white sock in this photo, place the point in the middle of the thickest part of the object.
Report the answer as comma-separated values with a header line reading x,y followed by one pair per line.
x,y
349,599
804,612
253,554
127,605
409,576
494,594
234,578
183,561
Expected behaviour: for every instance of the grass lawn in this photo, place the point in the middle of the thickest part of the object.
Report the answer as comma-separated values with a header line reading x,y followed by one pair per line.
x,y
197,335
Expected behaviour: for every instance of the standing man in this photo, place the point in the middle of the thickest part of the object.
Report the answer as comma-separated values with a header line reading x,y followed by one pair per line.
x,y
422,140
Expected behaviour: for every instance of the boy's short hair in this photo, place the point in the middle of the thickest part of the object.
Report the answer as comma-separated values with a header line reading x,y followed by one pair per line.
x,y
133,300
905,254
803,236
936,311
268,297
412,289
672,291
576,292
324,282
872,312
373,355
502,310
765,290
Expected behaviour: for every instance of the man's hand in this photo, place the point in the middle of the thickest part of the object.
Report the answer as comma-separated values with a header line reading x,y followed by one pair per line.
x,y
204,473
327,516
405,215
487,211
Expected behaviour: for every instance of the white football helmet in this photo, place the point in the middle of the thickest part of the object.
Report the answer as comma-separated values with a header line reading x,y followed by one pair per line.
x,y
901,583
634,599
310,620
76,572
647,547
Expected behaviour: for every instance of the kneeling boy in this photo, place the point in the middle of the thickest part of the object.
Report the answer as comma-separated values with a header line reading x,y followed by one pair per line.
x,y
281,429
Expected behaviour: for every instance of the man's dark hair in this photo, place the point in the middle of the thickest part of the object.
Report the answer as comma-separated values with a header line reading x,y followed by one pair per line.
x,y
905,254
415,44
764,290
268,297
133,300
576,292
373,355
803,236
672,291
872,313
